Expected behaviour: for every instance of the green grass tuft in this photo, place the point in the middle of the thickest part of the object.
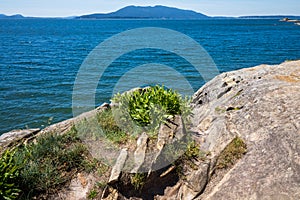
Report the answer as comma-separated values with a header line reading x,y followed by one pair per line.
x,y
49,162
110,128
138,180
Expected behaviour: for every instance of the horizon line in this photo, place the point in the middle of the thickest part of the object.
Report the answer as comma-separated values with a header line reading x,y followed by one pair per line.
x,y
90,13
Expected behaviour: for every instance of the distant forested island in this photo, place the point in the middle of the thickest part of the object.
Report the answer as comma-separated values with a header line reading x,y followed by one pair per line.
x,y
148,12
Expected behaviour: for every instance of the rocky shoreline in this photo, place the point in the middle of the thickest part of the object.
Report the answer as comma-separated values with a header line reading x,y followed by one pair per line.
x,y
259,106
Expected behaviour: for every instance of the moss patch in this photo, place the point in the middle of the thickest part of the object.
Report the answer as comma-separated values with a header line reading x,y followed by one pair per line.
x,y
233,152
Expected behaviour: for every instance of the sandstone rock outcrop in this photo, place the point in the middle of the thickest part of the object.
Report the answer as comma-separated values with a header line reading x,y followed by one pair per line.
x,y
262,106
259,105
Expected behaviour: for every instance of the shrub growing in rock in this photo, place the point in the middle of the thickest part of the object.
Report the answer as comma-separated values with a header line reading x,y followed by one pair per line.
x,y
149,107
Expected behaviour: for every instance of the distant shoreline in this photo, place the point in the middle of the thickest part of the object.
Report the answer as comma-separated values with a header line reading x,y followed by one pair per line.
x,y
158,19
157,12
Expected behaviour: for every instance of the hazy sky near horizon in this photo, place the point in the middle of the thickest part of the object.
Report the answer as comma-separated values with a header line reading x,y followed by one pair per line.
x,y
60,8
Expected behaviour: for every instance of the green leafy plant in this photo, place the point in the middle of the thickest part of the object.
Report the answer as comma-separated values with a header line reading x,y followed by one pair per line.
x,y
149,107
9,172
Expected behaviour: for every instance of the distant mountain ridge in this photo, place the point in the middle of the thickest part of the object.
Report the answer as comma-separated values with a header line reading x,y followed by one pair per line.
x,y
148,12
17,16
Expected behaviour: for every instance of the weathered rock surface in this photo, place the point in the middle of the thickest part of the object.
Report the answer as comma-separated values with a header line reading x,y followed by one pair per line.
x,y
78,189
262,106
9,138
15,136
193,183
173,131
65,126
117,168
140,152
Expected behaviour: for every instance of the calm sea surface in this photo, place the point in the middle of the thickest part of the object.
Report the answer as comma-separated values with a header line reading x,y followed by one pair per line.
x,y
40,58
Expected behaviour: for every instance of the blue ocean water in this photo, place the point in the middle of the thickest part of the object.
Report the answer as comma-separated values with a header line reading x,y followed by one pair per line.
x,y
40,58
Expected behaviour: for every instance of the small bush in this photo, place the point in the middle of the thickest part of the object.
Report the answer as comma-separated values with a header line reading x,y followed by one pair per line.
x,y
9,171
149,107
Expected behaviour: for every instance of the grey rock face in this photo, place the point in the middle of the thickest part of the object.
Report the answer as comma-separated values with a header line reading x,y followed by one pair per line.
x,y
117,168
140,152
170,132
262,106
14,136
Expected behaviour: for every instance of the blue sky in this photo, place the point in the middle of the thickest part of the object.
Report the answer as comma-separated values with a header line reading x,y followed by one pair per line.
x,y
59,8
